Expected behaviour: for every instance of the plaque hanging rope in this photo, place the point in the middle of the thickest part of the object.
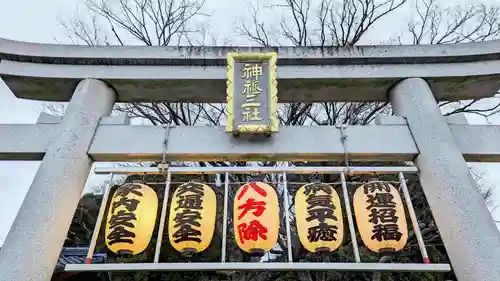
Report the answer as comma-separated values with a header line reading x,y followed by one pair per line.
x,y
343,139
164,164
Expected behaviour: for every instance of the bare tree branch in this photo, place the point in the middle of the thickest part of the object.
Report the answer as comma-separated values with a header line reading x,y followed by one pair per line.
x,y
455,24
257,32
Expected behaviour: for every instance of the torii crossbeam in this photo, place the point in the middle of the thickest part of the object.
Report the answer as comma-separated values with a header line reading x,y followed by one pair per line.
x,y
413,78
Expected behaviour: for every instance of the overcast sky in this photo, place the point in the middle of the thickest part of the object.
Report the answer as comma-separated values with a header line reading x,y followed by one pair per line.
x,y
37,21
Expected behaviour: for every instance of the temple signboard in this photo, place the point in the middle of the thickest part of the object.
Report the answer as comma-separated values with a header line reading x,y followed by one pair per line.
x,y
252,93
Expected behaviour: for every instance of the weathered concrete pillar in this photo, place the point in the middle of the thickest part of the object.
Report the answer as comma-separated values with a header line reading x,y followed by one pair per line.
x,y
470,236
34,242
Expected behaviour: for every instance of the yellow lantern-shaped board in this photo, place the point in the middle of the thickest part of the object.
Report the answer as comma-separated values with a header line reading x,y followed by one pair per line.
x,y
131,219
380,217
319,217
256,217
192,217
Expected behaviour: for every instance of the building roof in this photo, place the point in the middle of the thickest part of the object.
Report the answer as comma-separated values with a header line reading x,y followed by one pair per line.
x,y
77,255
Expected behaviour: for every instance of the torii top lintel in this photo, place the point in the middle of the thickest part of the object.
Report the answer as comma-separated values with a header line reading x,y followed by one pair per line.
x,y
50,72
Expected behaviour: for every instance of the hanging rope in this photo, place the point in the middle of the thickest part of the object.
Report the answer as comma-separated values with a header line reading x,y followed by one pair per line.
x,y
343,139
164,164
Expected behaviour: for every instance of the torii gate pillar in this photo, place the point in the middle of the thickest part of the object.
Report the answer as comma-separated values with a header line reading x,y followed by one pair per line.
x,y
469,234
33,245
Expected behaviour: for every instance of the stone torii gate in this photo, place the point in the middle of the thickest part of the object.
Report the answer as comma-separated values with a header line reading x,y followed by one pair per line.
x,y
413,78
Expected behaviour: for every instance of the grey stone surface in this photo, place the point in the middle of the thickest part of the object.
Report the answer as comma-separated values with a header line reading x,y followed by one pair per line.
x,y
32,247
145,143
384,119
457,119
25,141
197,74
45,118
470,236
478,143
123,119
208,56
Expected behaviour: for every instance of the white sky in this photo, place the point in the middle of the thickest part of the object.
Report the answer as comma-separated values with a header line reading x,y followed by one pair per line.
x,y
37,21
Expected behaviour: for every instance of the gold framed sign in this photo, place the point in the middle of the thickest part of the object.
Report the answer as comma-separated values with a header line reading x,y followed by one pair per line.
x,y
252,93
